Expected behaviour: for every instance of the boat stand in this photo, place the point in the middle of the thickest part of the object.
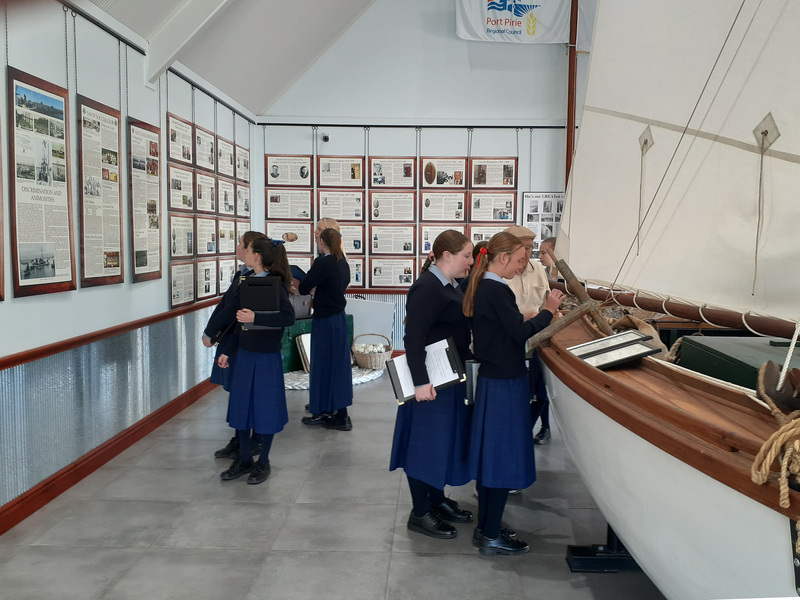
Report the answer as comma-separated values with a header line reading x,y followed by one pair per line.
x,y
611,557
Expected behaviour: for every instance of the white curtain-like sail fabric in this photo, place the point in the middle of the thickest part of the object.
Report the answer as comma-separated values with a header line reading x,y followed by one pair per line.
x,y
653,64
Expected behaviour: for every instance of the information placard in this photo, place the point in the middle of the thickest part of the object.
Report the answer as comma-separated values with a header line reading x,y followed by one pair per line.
x,y
442,206
297,236
391,272
392,239
145,199
206,278
205,150
443,172
225,158
180,139
392,171
226,197
342,205
287,204
493,172
341,171
181,283
493,206
181,188
392,206
293,170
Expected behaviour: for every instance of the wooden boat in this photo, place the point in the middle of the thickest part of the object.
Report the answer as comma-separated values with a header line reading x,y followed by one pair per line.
x,y
686,185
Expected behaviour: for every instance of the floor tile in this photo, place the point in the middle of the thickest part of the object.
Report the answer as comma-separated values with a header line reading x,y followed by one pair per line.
x,y
350,486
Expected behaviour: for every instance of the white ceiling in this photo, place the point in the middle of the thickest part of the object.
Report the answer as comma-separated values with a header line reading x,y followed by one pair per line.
x,y
251,50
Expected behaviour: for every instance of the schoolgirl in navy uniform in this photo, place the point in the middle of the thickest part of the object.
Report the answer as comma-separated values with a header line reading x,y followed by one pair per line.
x,y
501,445
331,382
431,435
258,397
222,321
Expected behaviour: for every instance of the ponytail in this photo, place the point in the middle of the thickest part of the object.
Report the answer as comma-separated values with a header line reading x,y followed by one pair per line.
x,y
333,240
500,243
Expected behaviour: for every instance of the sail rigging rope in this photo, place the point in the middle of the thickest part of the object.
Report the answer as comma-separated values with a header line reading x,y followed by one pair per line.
x,y
683,133
759,210
789,354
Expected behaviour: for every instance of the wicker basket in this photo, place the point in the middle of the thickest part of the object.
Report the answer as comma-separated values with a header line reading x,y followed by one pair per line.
x,y
376,360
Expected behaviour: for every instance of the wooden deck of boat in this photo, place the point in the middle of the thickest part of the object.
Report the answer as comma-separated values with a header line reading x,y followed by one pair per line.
x,y
711,427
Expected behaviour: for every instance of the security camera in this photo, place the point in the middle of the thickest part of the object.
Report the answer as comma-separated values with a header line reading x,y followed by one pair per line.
x,y
326,137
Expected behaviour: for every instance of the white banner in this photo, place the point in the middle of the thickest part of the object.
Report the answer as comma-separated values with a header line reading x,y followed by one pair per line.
x,y
543,22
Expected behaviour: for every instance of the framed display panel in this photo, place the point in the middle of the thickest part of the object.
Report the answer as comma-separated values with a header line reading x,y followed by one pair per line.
x,y
493,207
226,229
392,206
242,201
302,262
297,236
352,238
481,233
205,192
226,269
356,271
392,171
342,205
241,227
206,229
442,206
181,188
181,236
101,193
340,171
242,164
144,149
287,204
206,278
205,149
391,272
443,172
429,233
41,202
181,140
493,173
181,283
225,158
292,169
392,239
226,196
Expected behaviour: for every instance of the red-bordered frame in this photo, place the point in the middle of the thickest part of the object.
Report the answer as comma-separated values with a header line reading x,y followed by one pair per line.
x,y
173,122
490,230
157,274
279,229
353,261
188,217
181,264
219,237
197,265
410,260
271,192
383,195
222,186
226,155
454,168
198,132
205,253
241,154
459,215
490,179
407,182
358,212
404,252
240,212
212,179
292,165
509,212
353,244
347,162
424,250
171,205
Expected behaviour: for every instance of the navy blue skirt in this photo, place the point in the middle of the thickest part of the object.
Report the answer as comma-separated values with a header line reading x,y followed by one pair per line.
x,y
258,396
221,376
331,378
501,445
431,439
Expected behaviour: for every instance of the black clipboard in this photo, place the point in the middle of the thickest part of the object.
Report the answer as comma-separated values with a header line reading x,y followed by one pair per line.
x,y
444,353
261,295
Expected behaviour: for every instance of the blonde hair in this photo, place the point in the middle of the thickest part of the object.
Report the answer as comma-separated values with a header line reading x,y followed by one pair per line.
x,y
328,223
501,243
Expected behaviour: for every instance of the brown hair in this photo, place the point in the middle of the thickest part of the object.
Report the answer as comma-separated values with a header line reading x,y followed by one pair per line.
x,y
328,223
501,243
333,240
451,241
273,258
248,237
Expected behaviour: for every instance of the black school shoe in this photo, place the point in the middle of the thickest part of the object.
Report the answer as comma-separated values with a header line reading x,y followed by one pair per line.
x,y
502,545
237,470
337,423
259,473
476,535
319,419
229,451
450,511
431,525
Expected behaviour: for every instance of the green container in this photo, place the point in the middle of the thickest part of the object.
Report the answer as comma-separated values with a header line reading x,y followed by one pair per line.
x,y
289,352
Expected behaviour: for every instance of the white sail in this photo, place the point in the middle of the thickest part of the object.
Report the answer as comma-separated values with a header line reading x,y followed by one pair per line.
x,y
702,76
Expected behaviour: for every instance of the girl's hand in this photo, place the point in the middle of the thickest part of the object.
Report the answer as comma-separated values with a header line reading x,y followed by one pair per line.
x,y
223,361
207,341
425,393
245,315
554,299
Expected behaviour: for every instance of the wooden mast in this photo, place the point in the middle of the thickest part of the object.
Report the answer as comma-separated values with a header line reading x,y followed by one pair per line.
x,y
573,62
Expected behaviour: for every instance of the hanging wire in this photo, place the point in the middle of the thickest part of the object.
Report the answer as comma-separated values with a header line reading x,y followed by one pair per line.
x,y
366,161
686,128
641,197
530,161
119,72
127,79
5,23
159,110
66,47
75,46
760,210
216,150
470,131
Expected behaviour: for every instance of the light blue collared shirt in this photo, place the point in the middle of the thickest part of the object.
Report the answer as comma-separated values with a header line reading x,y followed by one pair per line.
x,y
494,277
441,276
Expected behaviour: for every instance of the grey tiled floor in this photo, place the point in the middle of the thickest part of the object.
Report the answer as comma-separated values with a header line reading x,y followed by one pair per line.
x,y
157,522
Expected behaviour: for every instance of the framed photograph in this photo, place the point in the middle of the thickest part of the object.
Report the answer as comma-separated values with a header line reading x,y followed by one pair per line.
x,y
493,173
181,140
205,192
242,200
144,147
352,238
299,237
392,171
181,188
391,239
340,171
181,283
493,207
101,198
226,230
443,172
392,206
391,272
205,149
225,158
181,236
356,271
292,170
206,278
41,247
342,205
226,198
206,236
443,206
429,233
287,204
242,164
480,233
